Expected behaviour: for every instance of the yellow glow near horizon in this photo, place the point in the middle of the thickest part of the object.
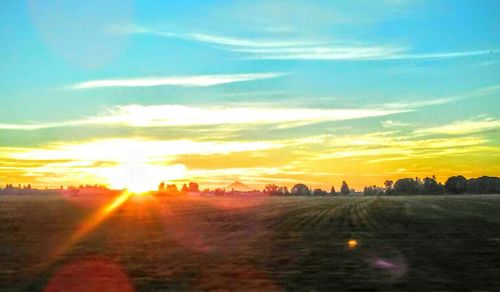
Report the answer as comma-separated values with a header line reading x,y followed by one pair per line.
x,y
140,164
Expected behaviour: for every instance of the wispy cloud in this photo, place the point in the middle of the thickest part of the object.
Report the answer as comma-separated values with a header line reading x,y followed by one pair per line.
x,y
246,114
296,49
353,53
463,127
340,52
183,81
390,124
39,126
220,40
181,116
246,43
392,146
129,150
412,104
443,55
325,52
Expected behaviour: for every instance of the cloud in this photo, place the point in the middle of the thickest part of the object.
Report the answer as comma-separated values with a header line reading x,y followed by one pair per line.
x,y
166,115
183,116
128,150
214,39
241,114
39,126
484,91
390,124
463,127
388,146
325,52
248,43
296,49
183,81
423,103
351,53
120,160
444,55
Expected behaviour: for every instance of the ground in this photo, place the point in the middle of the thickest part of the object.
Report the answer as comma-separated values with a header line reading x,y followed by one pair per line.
x,y
416,243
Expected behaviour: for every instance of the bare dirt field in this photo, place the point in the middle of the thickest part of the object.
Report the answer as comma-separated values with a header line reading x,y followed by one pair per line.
x,y
250,243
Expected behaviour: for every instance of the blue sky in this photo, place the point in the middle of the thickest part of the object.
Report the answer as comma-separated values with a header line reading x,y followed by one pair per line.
x,y
415,71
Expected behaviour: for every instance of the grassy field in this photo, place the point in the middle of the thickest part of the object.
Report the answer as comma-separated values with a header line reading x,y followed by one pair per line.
x,y
251,243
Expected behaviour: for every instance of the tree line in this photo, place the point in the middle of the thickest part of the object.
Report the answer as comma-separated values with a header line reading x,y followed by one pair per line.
x,y
429,186
303,190
404,186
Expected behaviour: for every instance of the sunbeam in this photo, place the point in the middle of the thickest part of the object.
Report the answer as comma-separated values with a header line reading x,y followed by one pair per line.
x,y
89,225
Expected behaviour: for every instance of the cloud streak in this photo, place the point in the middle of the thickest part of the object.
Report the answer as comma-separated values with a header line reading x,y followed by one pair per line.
x,y
131,150
184,116
138,116
293,49
463,127
182,81
387,146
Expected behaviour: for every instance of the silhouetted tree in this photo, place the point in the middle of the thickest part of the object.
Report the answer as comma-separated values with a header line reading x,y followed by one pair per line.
x,y
407,186
219,192
272,189
184,189
431,187
483,185
300,190
456,185
285,191
161,187
388,184
344,189
332,191
193,187
373,191
172,189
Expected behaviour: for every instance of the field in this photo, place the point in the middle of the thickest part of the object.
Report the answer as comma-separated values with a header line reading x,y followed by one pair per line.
x,y
251,243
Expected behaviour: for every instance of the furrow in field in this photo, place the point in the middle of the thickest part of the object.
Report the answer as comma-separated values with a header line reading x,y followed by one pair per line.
x,y
332,216
294,216
361,219
314,218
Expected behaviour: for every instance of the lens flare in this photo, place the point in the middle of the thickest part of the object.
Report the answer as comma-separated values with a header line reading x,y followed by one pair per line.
x,y
352,244
90,275
90,224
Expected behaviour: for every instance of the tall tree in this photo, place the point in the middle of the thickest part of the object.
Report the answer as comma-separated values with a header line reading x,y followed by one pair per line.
x,y
344,189
301,190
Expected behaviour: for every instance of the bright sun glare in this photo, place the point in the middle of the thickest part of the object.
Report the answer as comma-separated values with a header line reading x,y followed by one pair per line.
x,y
140,177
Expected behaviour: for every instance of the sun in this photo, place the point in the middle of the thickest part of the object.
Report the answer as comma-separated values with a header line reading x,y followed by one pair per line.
x,y
140,177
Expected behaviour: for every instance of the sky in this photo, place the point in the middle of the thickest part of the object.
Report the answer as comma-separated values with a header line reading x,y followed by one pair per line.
x,y
130,93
